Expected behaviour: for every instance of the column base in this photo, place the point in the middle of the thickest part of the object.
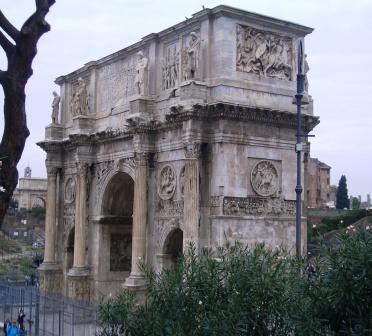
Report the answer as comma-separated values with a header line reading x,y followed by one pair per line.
x,y
137,285
51,278
78,284
78,272
135,282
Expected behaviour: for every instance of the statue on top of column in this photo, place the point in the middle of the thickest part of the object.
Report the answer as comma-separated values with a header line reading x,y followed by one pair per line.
x,y
55,107
141,73
80,99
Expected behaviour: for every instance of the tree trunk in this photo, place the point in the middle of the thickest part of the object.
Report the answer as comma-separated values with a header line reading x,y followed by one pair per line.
x,y
20,56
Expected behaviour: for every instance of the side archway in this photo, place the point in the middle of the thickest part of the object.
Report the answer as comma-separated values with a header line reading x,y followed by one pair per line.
x,y
171,244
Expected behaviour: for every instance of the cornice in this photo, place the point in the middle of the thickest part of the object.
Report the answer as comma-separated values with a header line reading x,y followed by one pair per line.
x,y
179,114
228,111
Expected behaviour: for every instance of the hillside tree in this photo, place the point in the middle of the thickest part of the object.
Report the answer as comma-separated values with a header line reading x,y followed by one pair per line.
x,y
19,47
342,198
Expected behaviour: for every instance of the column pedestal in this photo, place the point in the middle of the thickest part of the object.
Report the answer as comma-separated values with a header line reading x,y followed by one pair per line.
x,y
51,278
78,285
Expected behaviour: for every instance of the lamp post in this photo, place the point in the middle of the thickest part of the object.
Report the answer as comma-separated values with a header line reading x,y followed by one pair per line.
x,y
298,100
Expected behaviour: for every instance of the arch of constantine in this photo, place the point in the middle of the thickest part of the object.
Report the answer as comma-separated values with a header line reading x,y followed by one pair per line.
x,y
186,136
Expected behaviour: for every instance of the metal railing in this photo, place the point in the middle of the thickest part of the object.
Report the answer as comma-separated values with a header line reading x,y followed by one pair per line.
x,y
47,314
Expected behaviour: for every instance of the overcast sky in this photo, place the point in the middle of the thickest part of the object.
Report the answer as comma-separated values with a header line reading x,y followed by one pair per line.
x,y
339,54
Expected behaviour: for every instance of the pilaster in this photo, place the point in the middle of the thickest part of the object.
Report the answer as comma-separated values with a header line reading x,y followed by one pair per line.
x,y
192,195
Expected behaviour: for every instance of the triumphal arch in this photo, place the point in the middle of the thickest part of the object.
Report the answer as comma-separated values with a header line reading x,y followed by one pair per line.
x,y
187,136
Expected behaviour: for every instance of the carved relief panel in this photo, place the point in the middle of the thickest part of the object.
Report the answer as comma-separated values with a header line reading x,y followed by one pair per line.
x,y
80,102
264,177
166,182
69,204
263,53
117,82
258,206
170,180
171,67
70,190
120,252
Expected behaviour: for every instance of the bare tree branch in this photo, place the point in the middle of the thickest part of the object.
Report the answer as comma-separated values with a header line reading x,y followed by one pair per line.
x,y
44,4
8,27
3,75
20,57
6,44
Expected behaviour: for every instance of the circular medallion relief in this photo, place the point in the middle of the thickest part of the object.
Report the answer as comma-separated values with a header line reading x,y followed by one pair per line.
x,y
70,190
264,178
166,183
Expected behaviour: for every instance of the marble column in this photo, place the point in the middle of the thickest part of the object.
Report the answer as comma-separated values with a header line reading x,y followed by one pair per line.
x,y
50,220
80,219
136,278
49,270
191,211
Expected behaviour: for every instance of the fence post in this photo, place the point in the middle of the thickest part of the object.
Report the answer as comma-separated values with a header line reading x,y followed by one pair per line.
x,y
30,312
37,312
59,323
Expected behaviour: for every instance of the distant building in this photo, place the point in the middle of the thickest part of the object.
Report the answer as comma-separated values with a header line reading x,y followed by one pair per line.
x,y
319,192
31,192
366,204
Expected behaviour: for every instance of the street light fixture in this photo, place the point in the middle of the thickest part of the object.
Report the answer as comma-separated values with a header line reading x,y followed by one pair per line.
x,y
300,98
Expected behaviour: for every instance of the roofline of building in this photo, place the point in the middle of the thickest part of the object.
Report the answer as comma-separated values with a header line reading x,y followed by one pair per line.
x,y
196,17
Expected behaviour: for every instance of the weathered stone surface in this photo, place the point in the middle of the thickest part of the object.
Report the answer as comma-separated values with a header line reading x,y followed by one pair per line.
x,y
186,136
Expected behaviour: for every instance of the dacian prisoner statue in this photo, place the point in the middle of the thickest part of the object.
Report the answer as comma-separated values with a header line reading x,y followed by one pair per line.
x,y
185,137
141,73
55,107
192,56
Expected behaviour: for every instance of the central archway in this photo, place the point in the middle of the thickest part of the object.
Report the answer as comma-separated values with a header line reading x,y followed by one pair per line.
x,y
116,220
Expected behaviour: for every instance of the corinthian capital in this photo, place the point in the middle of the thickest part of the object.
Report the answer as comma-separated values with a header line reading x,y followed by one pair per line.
x,y
82,168
52,172
192,150
141,159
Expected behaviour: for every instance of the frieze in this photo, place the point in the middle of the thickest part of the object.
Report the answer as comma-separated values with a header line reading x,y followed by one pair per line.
x,y
258,206
263,53
170,208
166,183
265,178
